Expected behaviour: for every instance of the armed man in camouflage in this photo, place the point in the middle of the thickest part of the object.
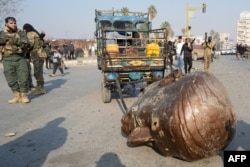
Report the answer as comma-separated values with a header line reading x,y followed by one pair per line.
x,y
38,55
209,47
14,44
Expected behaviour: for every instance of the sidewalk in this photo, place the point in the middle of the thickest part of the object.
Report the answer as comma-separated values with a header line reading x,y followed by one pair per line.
x,y
81,61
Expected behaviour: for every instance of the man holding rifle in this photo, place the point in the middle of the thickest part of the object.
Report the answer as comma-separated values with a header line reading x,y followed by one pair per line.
x,y
209,47
14,44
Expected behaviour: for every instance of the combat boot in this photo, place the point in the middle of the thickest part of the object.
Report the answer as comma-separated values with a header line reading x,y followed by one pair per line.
x,y
39,91
24,98
16,98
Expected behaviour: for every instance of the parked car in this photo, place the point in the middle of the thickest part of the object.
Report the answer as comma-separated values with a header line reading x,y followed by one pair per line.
x,y
225,52
228,51
233,51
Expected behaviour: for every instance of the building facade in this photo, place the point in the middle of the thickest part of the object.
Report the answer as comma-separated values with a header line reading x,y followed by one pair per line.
x,y
243,28
225,41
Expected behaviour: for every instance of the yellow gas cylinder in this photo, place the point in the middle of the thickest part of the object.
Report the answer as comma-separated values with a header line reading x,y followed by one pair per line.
x,y
112,50
152,50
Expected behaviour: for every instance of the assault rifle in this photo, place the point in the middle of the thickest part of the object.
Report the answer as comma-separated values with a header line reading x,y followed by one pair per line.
x,y
206,37
192,41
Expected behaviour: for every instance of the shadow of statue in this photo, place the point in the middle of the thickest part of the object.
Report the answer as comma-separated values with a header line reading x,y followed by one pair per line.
x,y
32,148
241,138
109,159
240,141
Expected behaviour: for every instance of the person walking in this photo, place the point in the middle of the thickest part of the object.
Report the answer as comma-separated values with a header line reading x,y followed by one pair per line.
x,y
57,61
37,54
179,57
186,50
209,47
14,44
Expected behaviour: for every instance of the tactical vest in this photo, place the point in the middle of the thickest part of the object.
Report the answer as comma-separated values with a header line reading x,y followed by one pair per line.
x,y
19,47
37,44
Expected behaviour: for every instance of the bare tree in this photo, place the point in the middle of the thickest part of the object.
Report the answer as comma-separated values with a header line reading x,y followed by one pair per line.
x,y
9,8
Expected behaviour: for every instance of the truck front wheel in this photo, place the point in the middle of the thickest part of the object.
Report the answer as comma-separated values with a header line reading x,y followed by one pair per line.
x,y
106,93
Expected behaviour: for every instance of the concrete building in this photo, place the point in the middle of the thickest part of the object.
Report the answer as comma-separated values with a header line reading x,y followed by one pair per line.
x,y
243,28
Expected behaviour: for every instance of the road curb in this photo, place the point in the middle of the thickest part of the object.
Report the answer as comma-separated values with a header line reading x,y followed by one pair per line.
x,y
78,62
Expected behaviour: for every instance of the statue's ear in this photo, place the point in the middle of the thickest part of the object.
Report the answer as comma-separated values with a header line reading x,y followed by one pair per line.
x,y
139,135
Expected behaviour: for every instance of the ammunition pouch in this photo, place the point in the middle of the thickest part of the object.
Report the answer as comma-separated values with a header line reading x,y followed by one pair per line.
x,y
38,43
11,49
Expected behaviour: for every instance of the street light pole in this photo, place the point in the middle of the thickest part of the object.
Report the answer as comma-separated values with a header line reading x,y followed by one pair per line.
x,y
188,10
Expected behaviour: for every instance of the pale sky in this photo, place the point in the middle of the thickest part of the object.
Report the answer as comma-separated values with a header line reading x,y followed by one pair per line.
x,y
74,19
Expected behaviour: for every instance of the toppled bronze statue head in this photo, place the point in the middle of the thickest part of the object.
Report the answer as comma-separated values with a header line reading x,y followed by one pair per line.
x,y
188,117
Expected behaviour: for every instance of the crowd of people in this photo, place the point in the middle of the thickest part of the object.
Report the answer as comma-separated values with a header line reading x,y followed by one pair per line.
x,y
242,51
19,48
182,51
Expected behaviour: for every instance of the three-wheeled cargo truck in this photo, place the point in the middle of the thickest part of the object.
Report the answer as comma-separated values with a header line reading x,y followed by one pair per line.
x,y
128,50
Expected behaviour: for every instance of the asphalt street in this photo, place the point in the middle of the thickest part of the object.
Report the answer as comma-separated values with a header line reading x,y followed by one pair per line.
x,y
69,126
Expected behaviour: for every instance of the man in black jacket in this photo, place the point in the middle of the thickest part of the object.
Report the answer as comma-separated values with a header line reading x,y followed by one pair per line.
x,y
187,48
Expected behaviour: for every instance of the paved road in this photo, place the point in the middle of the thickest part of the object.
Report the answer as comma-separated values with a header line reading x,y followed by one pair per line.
x,y
71,127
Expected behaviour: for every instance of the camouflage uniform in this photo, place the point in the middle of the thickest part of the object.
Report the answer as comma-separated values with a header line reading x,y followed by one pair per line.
x,y
37,59
208,49
16,72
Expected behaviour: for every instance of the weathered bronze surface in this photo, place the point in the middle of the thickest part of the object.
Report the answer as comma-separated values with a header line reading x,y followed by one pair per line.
x,y
188,117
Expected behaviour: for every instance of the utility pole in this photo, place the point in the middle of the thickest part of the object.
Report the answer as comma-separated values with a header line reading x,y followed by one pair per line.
x,y
188,10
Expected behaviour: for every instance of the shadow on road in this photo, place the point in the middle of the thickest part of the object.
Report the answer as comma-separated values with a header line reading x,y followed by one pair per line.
x,y
241,138
32,148
128,91
109,159
50,85
55,83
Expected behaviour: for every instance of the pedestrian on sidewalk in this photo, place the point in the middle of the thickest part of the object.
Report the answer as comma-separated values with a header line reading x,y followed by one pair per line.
x,y
71,49
49,53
